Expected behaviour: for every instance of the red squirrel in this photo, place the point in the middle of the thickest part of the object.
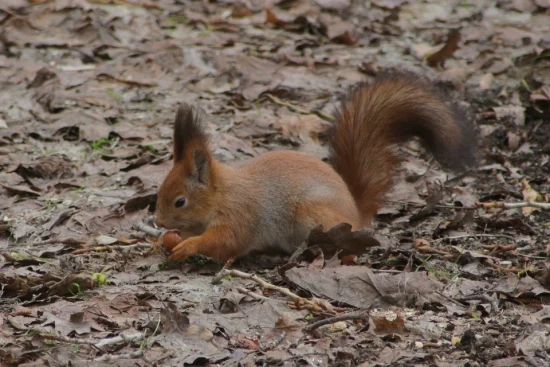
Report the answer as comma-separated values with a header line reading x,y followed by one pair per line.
x,y
275,200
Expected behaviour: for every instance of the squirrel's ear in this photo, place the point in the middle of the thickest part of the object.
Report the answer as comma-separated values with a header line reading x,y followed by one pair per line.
x,y
188,132
201,170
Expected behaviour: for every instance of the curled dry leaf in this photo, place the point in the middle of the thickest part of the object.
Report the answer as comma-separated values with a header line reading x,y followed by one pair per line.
x,y
446,52
296,24
529,194
342,238
389,324
337,30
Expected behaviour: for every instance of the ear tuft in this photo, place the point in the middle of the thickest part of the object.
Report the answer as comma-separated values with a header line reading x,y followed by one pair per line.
x,y
202,174
188,131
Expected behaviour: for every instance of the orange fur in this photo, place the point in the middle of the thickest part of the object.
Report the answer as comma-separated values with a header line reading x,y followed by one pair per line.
x,y
274,200
394,109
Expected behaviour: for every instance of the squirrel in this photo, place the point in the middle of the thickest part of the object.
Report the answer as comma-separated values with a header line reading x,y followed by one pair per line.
x,y
274,200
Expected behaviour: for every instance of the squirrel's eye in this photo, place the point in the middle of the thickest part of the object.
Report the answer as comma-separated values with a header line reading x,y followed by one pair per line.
x,y
180,202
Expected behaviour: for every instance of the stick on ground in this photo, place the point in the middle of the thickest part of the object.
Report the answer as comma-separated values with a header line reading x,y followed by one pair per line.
x,y
265,285
140,226
359,315
523,204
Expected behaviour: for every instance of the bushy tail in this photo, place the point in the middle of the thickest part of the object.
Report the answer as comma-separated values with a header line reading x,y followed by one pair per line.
x,y
391,110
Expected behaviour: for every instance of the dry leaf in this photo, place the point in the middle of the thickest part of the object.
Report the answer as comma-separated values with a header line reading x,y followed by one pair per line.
x,y
529,194
438,58
485,81
517,113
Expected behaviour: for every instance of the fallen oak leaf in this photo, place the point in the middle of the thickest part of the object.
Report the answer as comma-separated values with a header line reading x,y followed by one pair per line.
x,y
172,320
342,238
529,195
363,289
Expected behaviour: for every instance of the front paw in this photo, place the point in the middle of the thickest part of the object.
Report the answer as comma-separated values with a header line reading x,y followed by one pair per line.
x,y
181,252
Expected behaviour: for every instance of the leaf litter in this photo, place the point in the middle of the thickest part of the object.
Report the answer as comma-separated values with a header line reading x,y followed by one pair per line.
x,y
455,271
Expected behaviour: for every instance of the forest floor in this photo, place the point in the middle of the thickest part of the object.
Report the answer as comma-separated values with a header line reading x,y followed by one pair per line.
x,y
88,94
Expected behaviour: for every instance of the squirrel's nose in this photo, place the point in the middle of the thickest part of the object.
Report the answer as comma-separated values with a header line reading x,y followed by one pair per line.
x,y
159,222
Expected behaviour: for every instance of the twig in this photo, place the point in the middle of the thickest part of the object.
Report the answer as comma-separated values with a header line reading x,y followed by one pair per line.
x,y
431,250
148,229
63,241
474,236
65,339
126,81
111,248
444,206
120,339
302,111
530,256
265,285
481,297
523,204
510,269
96,343
358,315
114,357
251,294
431,345
390,271
498,249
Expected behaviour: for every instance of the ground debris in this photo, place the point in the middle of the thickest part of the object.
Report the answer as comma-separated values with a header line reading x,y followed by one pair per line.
x,y
453,273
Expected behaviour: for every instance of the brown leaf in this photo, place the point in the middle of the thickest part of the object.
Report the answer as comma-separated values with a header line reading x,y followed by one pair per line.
x,y
533,339
300,128
242,341
342,238
363,288
47,168
540,317
338,31
513,140
529,194
21,190
389,324
293,24
435,197
173,321
438,58
544,278
240,10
